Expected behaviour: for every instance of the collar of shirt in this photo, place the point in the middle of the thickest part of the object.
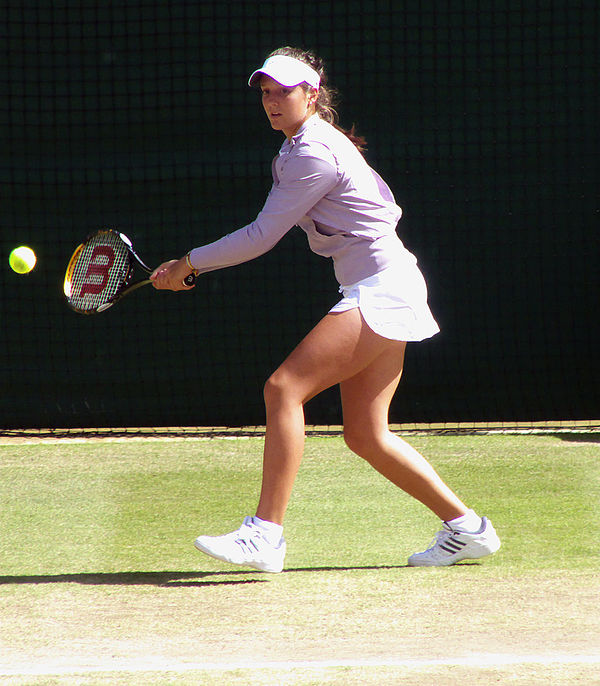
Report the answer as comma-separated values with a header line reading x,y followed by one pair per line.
x,y
289,143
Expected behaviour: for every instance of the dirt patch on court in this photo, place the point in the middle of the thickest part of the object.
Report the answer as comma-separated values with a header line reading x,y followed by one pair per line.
x,y
166,620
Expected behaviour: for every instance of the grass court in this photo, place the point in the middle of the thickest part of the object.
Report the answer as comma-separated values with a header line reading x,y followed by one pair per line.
x,y
100,582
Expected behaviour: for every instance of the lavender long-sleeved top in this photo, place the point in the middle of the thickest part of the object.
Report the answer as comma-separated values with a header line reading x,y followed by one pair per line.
x,y
323,184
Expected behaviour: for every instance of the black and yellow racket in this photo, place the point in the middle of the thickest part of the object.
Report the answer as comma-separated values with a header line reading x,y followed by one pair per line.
x,y
101,271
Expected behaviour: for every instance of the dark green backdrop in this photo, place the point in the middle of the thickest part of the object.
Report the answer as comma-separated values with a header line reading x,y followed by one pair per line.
x,y
482,117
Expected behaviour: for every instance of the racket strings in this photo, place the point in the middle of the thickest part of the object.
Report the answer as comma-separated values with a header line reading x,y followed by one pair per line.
x,y
101,269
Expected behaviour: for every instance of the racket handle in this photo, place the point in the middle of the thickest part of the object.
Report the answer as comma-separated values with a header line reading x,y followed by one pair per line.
x,y
190,279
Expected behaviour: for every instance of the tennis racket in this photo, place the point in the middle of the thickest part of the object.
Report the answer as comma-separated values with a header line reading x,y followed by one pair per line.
x,y
101,270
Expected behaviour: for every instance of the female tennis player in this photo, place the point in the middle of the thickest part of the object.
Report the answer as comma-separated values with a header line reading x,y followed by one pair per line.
x,y
322,183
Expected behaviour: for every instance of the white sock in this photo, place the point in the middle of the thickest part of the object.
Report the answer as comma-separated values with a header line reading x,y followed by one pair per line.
x,y
470,522
271,531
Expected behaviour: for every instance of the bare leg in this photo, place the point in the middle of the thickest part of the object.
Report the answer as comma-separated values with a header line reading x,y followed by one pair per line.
x,y
342,349
284,446
366,398
333,350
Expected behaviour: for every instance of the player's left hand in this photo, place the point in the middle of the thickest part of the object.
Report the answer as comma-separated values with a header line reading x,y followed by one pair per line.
x,y
170,275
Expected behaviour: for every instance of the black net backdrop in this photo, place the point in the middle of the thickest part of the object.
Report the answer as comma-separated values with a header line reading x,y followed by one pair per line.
x,y
482,116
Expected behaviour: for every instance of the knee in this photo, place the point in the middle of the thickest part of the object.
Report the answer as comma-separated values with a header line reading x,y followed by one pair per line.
x,y
277,388
367,440
358,439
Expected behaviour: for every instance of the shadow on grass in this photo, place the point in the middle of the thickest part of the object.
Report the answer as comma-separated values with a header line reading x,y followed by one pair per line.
x,y
171,579
578,437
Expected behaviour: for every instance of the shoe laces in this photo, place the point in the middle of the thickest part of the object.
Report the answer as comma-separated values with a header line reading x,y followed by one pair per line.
x,y
441,537
249,537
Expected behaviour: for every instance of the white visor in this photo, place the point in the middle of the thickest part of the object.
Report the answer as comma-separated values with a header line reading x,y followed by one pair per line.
x,y
288,71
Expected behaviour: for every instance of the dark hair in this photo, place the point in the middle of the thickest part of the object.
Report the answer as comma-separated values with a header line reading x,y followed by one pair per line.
x,y
327,98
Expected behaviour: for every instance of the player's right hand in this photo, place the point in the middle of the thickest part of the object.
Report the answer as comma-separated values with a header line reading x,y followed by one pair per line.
x,y
170,275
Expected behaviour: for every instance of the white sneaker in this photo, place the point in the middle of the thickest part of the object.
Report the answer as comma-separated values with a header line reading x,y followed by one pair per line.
x,y
247,546
452,546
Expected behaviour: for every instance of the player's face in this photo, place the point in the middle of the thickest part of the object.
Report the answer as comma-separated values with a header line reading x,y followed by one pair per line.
x,y
287,108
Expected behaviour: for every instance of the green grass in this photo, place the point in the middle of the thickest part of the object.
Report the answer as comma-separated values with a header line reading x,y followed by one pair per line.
x,y
97,561
127,506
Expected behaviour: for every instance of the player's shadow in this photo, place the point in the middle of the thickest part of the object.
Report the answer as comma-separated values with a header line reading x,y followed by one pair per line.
x,y
171,579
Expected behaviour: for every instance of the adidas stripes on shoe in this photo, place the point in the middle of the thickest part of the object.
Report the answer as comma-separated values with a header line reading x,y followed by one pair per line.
x,y
451,546
247,547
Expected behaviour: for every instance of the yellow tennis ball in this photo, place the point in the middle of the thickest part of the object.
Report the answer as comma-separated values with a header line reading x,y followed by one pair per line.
x,y
22,260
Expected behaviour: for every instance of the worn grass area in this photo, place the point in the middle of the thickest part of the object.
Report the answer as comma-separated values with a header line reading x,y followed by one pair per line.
x,y
571,674
98,574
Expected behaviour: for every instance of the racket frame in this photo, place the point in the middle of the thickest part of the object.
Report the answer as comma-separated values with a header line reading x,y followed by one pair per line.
x,y
126,285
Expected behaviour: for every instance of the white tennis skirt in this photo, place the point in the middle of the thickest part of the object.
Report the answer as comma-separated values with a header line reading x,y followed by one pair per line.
x,y
393,303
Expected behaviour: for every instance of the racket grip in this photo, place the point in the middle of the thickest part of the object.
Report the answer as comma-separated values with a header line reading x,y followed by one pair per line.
x,y
190,279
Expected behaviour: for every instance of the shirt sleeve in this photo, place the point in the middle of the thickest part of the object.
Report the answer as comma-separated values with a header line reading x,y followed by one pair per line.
x,y
303,181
